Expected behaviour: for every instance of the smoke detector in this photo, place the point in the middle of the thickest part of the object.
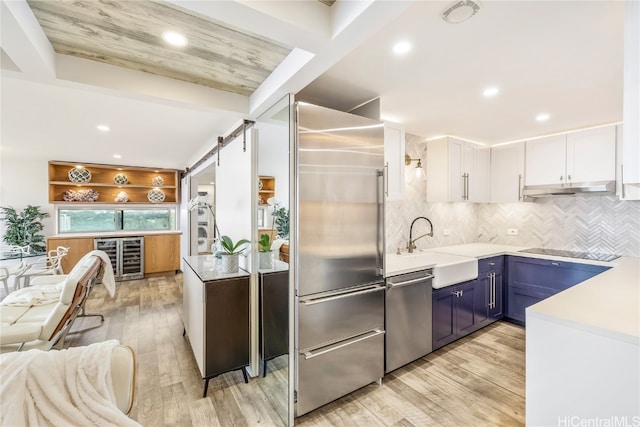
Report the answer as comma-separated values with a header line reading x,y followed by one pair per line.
x,y
460,11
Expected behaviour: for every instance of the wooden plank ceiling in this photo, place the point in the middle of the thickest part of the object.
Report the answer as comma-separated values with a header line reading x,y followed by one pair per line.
x,y
128,34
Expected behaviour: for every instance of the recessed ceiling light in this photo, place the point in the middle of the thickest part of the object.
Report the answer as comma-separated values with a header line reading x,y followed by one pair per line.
x,y
401,48
117,156
543,117
490,92
103,128
174,39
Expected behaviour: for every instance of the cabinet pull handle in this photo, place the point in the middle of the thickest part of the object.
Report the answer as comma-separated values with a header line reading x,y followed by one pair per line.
x,y
561,177
492,263
568,177
467,187
519,186
386,179
555,263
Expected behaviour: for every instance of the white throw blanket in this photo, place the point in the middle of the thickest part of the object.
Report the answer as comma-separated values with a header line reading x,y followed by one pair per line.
x,y
34,295
64,388
108,280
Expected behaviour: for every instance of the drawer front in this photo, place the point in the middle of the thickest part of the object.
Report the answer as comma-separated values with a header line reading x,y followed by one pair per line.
x,y
495,263
558,275
336,317
334,371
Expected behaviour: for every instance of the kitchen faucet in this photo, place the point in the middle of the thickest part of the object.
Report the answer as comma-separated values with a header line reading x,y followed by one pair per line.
x,y
411,245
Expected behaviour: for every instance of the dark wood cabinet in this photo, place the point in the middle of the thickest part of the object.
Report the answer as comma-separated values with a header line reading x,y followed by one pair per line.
x,y
215,314
226,328
274,315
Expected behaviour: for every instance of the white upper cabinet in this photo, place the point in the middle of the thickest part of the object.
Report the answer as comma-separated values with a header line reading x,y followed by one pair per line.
x,y
507,173
546,160
584,156
457,171
394,143
629,169
591,155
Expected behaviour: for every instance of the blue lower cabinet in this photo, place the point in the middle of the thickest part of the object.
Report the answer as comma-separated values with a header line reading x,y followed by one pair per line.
x,y
455,312
491,273
530,280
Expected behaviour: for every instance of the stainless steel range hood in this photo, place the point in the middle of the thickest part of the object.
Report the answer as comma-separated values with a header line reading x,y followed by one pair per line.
x,y
595,188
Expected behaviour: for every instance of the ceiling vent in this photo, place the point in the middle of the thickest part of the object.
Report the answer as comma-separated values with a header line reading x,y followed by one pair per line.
x,y
460,11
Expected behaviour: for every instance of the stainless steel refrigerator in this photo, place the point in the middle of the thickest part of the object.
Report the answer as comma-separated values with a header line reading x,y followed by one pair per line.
x,y
340,288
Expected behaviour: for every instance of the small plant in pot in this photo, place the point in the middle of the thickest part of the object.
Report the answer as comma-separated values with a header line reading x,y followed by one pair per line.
x,y
230,253
265,254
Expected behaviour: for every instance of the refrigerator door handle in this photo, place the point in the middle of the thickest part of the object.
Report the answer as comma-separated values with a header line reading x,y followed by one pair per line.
x,y
313,353
313,301
391,285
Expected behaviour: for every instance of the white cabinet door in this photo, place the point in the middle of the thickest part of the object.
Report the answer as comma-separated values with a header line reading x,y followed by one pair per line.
x,y
480,181
457,180
507,173
591,155
630,162
545,160
457,171
394,143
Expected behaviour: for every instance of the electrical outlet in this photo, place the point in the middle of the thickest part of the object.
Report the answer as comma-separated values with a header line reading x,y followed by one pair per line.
x,y
512,231
446,232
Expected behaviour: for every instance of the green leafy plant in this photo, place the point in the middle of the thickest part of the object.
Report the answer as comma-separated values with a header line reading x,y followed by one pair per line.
x,y
264,244
229,248
23,228
281,221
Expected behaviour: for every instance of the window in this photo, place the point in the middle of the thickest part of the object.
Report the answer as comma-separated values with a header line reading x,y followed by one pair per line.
x,y
90,220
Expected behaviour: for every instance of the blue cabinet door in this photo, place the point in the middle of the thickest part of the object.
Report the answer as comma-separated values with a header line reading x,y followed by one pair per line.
x,y
443,317
470,296
497,311
521,297
531,280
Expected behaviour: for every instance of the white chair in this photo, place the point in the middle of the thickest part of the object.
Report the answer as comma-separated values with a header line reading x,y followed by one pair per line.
x,y
6,271
43,266
59,251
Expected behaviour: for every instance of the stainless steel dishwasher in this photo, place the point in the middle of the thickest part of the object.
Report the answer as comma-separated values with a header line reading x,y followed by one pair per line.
x,y
407,318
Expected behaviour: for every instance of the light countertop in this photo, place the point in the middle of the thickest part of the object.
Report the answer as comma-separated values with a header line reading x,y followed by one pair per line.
x,y
607,304
107,234
208,268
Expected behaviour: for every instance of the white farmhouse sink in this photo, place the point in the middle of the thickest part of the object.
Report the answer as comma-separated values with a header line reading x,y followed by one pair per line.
x,y
447,269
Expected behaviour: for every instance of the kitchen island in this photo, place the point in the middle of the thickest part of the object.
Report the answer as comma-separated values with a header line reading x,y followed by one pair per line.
x,y
215,313
583,351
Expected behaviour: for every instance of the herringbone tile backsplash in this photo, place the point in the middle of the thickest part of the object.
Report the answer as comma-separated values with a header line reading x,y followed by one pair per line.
x,y
600,224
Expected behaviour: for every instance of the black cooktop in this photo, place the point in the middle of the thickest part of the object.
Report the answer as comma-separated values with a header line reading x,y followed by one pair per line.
x,y
572,254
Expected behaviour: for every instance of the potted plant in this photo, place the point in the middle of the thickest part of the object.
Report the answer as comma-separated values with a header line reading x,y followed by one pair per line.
x,y
23,228
280,218
265,254
230,253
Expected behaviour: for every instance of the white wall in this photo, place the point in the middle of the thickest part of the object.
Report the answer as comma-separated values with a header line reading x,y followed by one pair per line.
x,y
234,189
25,182
273,157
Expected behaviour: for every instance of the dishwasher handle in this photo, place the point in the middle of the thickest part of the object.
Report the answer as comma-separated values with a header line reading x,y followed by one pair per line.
x,y
395,285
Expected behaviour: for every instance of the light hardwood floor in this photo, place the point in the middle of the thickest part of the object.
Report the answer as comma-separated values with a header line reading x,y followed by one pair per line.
x,y
475,381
